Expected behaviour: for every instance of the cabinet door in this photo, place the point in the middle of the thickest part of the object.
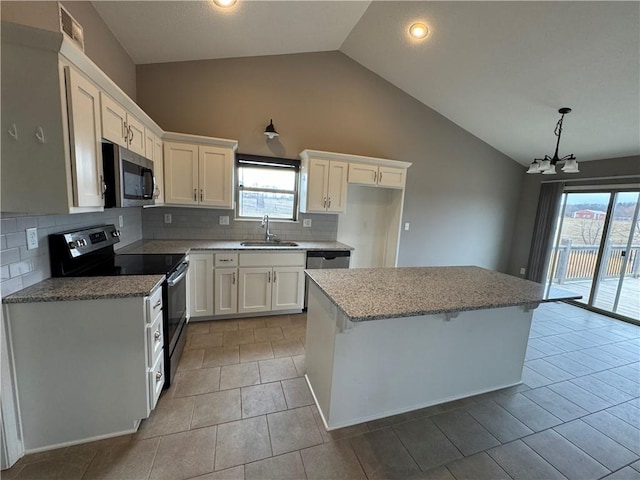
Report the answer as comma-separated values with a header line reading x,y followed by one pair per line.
x,y
114,119
226,291
149,139
216,176
391,177
158,170
137,141
317,185
363,174
181,173
288,288
254,290
85,139
201,284
337,187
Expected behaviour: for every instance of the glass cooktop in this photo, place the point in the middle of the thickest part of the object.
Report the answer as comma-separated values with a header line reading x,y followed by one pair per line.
x,y
134,264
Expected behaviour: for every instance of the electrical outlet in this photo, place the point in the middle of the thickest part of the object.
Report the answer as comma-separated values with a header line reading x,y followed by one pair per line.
x,y
120,221
223,220
306,222
32,238
406,226
523,271
167,218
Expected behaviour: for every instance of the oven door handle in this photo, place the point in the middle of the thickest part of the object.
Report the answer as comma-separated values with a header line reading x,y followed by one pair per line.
x,y
179,275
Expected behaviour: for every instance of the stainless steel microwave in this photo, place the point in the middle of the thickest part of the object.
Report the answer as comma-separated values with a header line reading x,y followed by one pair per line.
x,y
128,177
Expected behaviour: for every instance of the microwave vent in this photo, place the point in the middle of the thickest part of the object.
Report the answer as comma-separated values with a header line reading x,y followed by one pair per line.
x,y
71,28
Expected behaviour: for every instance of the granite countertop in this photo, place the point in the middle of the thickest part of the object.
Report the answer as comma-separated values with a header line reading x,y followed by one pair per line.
x,y
377,293
184,246
86,288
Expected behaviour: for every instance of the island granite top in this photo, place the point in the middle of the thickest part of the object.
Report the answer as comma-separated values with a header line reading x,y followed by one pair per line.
x,y
86,288
378,293
184,246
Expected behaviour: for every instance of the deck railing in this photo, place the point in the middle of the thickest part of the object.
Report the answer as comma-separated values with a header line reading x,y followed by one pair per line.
x,y
574,263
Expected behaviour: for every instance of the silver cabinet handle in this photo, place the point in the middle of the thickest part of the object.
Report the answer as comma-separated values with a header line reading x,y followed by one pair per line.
x,y
324,203
158,376
380,177
158,304
157,334
233,281
275,279
329,206
125,132
268,277
375,177
195,194
130,135
201,195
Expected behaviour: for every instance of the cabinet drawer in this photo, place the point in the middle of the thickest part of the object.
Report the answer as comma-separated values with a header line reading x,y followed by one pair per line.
x,y
226,260
155,340
154,304
156,381
273,259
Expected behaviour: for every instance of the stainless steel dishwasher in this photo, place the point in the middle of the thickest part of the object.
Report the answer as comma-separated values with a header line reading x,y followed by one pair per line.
x,y
318,259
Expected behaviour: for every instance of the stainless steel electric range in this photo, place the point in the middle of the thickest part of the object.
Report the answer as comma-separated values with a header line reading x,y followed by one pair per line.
x,y
89,252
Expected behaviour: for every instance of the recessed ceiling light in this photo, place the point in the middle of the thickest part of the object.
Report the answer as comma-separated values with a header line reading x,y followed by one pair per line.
x,y
419,31
225,3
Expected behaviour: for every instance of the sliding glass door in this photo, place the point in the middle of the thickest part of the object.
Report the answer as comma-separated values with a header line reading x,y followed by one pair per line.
x,y
596,250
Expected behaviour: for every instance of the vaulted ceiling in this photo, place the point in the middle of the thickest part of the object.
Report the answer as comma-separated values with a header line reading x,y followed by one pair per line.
x,y
500,70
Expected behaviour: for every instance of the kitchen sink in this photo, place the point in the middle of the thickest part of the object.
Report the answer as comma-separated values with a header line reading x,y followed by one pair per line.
x,y
271,243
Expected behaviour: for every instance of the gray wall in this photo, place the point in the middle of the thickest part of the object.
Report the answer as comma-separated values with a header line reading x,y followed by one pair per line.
x,y
461,194
528,202
202,223
20,268
101,45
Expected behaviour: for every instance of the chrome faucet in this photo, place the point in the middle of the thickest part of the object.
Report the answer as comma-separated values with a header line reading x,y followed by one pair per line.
x,y
268,236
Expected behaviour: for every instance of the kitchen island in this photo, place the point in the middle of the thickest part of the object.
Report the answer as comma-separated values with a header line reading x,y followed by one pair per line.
x,y
389,340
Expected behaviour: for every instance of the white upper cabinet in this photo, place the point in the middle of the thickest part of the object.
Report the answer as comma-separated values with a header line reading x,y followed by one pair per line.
x,y
54,100
199,173
383,176
323,186
121,127
181,173
86,147
215,167
158,170
324,178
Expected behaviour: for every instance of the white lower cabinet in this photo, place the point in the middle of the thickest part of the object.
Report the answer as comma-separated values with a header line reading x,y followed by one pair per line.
x,y
226,291
201,284
85,369
271,282
231,283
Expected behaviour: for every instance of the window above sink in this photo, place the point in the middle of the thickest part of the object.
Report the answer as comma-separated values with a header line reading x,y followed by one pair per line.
x,y
266,186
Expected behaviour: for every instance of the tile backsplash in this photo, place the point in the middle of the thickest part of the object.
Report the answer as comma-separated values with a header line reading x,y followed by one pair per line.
x,y
200,223
20,267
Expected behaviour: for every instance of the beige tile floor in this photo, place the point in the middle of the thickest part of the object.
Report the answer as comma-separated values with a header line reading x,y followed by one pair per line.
x,y
240,409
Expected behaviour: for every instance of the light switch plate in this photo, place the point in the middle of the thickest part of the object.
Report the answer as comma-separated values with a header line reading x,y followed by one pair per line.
x,y
306,222
523,271
32,238
223,220
406,226
167,218
120,221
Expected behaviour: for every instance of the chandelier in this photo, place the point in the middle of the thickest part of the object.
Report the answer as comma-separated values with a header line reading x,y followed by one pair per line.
x,y
547,165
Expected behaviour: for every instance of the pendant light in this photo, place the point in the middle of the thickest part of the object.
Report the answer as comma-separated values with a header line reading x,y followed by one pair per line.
x,y
547,166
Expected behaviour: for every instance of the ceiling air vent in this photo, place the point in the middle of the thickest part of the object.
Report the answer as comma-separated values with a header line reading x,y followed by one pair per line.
x,y
71,28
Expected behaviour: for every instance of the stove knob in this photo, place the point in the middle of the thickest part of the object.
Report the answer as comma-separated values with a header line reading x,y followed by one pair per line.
x,y
115,233
73,245
82,242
